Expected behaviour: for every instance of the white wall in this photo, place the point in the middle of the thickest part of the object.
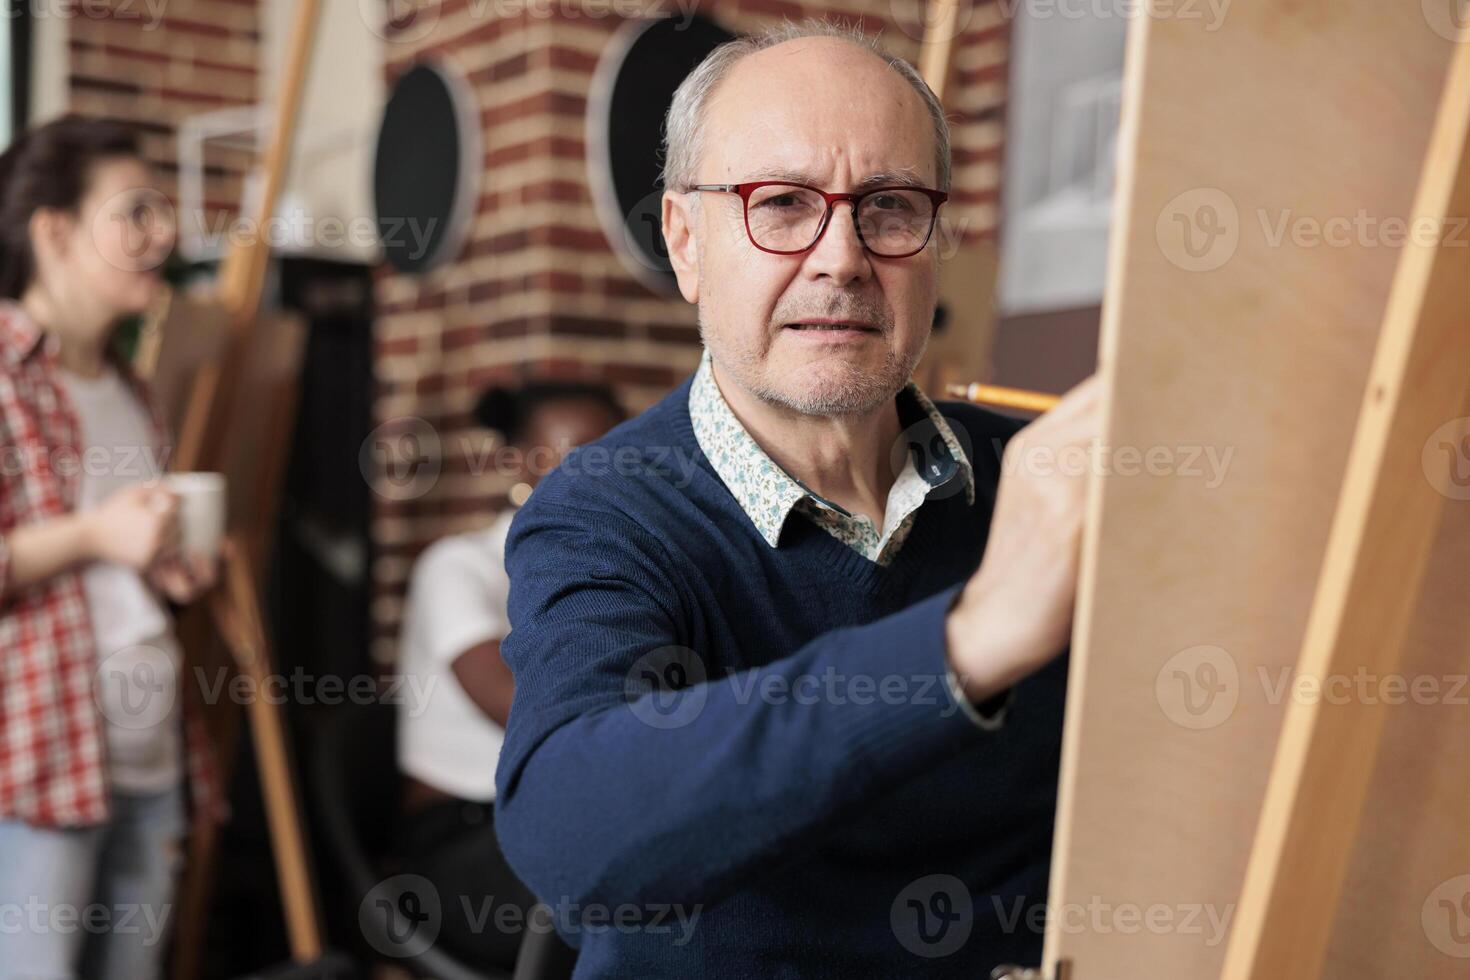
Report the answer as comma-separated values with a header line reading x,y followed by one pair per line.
x,y
49,63
1054,234
331,168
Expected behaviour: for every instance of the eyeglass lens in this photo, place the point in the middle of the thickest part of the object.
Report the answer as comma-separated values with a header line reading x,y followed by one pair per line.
x,y
786,218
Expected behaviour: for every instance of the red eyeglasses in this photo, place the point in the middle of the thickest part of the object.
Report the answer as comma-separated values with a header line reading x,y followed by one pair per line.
x,y
788,219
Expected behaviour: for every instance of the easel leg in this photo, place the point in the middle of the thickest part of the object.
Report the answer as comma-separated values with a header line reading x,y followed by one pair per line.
x,y
237,611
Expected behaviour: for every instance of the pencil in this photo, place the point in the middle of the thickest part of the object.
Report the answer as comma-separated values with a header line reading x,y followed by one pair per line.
x,y
1016,398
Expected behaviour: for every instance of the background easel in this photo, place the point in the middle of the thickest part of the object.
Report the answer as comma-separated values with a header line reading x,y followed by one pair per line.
x,y
958,350
229,378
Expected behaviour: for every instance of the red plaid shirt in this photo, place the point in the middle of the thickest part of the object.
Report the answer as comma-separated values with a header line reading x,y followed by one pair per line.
x,y
52,766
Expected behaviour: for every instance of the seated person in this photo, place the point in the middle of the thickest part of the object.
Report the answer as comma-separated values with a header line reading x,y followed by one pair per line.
x,y
788,696
450,641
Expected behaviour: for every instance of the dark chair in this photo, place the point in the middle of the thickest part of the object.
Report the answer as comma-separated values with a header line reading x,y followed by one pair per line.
x,y
351,751
544,956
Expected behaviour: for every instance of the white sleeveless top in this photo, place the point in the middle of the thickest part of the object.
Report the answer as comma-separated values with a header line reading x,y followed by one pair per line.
x,y
136,686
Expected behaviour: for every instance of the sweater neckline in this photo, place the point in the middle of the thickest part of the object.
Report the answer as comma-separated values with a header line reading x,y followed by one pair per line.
x,y
863,571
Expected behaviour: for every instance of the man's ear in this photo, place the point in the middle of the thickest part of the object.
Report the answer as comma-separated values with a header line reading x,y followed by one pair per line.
x,y
679,238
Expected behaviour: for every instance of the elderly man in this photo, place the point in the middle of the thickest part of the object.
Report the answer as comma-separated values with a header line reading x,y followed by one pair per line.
x,y
770,718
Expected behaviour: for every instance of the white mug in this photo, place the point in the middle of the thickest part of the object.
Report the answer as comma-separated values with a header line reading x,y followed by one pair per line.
x,y
201,510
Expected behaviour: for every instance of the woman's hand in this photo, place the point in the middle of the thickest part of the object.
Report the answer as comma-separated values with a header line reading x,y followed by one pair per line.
x,y
184,578
136,526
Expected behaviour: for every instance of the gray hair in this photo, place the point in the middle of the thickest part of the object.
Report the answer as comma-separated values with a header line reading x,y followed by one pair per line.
x,y
684,129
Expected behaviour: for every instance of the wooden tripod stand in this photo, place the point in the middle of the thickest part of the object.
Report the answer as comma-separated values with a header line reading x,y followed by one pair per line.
x,y
236,398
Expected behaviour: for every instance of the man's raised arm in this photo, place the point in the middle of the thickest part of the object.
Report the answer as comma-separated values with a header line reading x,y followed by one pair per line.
x,y
673,796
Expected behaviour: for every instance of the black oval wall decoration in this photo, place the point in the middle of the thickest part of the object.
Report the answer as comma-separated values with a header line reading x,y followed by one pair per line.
x,y
426,171
630,93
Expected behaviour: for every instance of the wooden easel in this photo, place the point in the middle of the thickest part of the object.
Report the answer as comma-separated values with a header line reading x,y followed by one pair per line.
x,y
1378,557
960,352
1193,596
209,433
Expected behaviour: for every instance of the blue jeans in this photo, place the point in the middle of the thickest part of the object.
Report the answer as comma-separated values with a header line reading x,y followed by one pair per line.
x,y
91,902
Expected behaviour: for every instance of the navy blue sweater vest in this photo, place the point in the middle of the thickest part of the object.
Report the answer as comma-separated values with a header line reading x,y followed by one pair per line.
x,y
731,760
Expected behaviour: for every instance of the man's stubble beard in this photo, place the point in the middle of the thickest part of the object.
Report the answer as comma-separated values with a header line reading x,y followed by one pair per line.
x,y
856,393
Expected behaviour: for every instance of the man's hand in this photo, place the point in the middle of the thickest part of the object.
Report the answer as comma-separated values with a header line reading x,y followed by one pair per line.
x,y
1015,613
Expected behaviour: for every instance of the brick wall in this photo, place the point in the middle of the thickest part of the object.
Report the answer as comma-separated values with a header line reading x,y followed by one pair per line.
x,y
196,56
537,291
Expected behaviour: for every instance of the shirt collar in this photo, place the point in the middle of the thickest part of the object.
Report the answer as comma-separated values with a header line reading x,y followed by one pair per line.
x,y
20,334
767,493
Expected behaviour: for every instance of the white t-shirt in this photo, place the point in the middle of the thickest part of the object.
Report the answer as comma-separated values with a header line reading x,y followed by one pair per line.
x,y
138,659
457,597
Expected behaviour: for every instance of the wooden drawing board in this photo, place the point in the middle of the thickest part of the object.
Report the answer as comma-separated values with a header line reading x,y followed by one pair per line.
x,y
1236,347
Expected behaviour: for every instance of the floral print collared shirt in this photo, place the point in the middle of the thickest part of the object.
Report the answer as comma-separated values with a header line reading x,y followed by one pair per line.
x,y
768,494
